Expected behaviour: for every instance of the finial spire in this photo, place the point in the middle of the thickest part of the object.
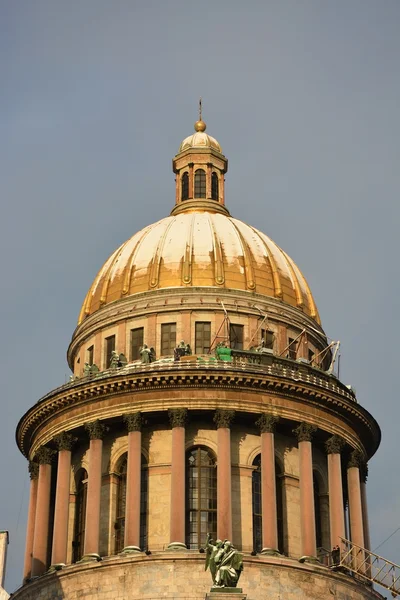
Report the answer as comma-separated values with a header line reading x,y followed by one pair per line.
x,y
200,125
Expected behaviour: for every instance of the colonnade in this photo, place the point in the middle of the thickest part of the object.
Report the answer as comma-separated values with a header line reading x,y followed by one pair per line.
x,y
37,539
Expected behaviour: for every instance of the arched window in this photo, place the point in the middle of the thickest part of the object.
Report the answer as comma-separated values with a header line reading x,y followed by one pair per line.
x,y
201,496
214,187
257,505
80,516
185,186
121,505
200,184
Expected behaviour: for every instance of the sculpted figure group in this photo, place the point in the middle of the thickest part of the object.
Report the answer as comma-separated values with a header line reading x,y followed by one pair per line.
x,y
225,563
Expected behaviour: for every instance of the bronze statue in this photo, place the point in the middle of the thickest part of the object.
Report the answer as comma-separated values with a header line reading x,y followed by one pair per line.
x,y
147,354
225,563
114,360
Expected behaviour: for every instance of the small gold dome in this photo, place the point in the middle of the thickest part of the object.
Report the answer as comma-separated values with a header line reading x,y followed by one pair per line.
x,y
200,139
199,249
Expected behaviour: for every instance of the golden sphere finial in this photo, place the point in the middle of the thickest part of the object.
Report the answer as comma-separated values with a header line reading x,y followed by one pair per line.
x,y
200,125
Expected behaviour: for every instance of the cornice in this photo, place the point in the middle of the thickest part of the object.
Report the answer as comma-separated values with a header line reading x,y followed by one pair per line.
x,y
331,399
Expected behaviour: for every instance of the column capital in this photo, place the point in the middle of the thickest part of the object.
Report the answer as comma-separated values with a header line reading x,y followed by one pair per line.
x,y
177,417
33,468
355,460
65,441
334,445
133,421
364,471
304,432
267,423
44,455
223,418
96,430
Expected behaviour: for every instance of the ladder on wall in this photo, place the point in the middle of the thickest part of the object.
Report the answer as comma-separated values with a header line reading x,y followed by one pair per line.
x,y
370,567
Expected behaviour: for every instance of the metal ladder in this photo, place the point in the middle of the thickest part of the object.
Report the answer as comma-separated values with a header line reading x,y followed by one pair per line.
x,y
370,566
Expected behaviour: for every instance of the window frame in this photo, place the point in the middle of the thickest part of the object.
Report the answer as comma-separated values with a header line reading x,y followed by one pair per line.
x,y
109,347
238,343
194,508
185,186
214,186
202,347
200,184
139,345
172,339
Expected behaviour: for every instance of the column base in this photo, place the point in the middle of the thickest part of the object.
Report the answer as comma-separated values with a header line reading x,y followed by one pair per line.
x,y
91,557
176,546
56,567
313,560
131,550
270,552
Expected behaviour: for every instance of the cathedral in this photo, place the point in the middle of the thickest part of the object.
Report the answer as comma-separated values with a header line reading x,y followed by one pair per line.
x,y
204,411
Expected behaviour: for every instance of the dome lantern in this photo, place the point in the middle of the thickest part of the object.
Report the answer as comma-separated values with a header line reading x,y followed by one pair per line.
x,y
200,167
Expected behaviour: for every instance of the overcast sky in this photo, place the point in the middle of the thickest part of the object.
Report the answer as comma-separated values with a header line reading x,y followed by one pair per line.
x,y
96,96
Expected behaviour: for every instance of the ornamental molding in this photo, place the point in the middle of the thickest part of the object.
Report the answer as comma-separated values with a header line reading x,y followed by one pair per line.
x,y
45,455
267,423
224,418
334,445
133,421
65,441
96,430
33,468
177,417
323,395
304,432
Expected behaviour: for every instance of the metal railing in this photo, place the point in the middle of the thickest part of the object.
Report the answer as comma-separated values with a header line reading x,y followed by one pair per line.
x,y
251,362
370,567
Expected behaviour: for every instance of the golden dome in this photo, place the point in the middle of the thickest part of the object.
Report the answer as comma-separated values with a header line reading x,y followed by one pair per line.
x,y
199,249
200,139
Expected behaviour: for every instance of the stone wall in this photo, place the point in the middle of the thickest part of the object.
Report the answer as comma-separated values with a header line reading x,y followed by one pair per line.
x,y
181,576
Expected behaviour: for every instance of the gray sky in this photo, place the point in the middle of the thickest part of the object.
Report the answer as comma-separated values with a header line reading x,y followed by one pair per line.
x,y
96,97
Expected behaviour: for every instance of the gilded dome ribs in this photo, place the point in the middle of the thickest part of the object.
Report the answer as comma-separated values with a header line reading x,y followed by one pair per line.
x,y
157,256
248,265
218,261
129,270
296,285
107,276
275,273
187,259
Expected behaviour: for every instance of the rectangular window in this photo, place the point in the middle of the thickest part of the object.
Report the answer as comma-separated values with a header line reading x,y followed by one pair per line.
x,y
268,337
89,355
236,336
292,350
203,337
136,342
168,339
110,346
311,355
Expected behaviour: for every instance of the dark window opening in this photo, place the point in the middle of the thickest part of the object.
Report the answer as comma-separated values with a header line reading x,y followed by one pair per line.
x,y
317,509
90,353
257,506
200,184
136,342
168,339
214,187
80,517
203,337
236,336
268,337
201,497
185,187
311,355
292,349
110,347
